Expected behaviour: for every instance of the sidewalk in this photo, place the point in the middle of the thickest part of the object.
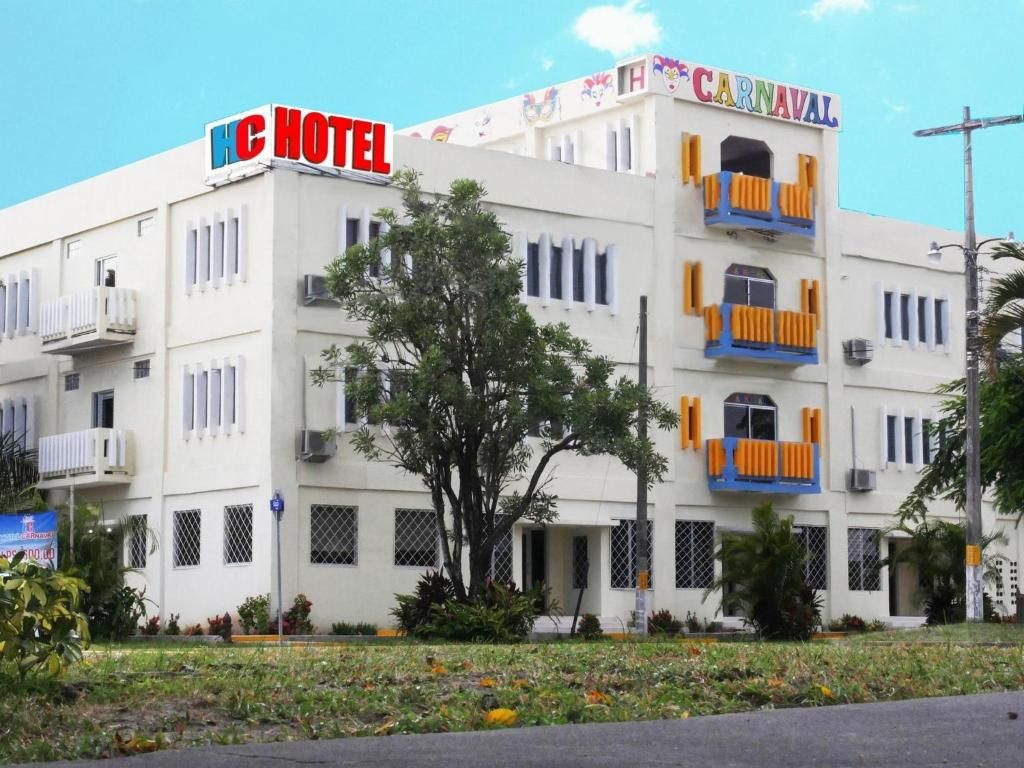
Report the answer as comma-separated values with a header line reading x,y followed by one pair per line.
x,y
974,731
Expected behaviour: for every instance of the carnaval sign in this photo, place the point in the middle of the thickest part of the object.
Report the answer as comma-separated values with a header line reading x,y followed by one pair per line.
x,y
249,141
34,533
755,95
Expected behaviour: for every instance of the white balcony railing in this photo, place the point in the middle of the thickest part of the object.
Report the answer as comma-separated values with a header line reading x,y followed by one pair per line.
x,y
97,317
90,457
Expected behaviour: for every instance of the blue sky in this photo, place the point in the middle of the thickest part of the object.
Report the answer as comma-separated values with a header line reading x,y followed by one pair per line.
x,y
89,85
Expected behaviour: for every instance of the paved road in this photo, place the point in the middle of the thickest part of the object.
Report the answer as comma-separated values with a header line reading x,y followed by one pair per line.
x,y
951,732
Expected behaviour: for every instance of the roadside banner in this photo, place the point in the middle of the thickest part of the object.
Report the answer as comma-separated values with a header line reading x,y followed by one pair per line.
x,y
35,533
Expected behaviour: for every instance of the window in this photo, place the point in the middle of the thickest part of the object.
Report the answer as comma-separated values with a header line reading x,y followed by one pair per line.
x,y
578,294
333,534
416,538
905,316
73,248
752,286
351,231
922,315
140,369
908,439
144,226
748,156
888,314
695,554
238,534
501,558
611,149
72,381
350,402
580,562
624,554
212,398
215,398
863,560
214,251
137,541
555,280
103,409
601,279
750,416
187,538
202,399
626,148
188,416
815,540
890,437
940,306
533,269
927,437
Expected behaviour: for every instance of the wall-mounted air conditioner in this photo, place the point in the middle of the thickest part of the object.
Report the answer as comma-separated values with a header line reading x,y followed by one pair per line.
x,y
861,480
858,351
314,290
312,446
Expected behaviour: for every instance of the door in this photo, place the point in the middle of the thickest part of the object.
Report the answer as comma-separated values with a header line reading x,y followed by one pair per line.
x,y
535,546
103,409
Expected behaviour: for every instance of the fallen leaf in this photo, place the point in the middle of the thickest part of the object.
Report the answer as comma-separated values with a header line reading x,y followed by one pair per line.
x,y
520,683
694,650
501,716
439,670
487,682
826,691
135,744
685,715
467,664
384,729
775,682
598,697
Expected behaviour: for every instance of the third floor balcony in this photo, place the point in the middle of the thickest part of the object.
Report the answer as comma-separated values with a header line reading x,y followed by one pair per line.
x,y
778,335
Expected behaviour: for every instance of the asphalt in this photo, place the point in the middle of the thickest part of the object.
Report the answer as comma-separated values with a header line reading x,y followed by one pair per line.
x,y
975,731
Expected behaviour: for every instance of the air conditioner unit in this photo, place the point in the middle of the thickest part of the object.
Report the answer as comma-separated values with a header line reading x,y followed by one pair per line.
x,y
312,446
858,351
314,290
862,480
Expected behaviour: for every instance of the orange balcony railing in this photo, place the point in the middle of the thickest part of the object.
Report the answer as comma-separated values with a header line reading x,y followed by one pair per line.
x,y
752,202
738,330
768,466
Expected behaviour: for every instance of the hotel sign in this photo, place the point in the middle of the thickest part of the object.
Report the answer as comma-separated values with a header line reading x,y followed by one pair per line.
x,y
249,142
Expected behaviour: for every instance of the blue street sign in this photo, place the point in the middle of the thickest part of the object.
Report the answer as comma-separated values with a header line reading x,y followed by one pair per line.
x,y
277,504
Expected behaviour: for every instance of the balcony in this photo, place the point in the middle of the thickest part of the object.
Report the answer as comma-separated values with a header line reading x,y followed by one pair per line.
x,y
89,458
96,318
776,335
736,201
766,466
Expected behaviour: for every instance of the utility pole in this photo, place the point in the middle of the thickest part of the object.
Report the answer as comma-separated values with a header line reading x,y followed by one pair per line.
x,y
643,542
975,580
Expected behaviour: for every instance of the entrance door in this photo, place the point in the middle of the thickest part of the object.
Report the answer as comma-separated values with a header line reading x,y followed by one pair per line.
x,y
535,548
903,584
103,409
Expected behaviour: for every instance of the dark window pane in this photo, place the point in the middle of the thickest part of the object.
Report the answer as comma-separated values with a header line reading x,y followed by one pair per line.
x,y
922,314
888,314
736,421
577,275
374,230
926,439
735,290
762,424
890,438
601,279
908,439
905,316
556,272
762,294
533,270
350,401
938,322
351,232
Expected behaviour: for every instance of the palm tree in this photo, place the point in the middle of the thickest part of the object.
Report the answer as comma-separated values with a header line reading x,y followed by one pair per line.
x,y
1004,307
18,474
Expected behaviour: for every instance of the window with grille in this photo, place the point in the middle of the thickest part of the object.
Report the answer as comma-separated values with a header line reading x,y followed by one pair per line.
x,y
140,369
137,541
72,381
815,539
187,529
863,560
695,554
501,559
624,554
333,534
238,534
416,538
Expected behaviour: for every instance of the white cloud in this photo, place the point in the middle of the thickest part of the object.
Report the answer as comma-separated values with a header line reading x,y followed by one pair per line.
x,y
822,8
546,63
618,29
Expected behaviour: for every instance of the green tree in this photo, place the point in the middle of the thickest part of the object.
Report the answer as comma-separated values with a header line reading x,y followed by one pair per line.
x,y
1004,304
469,372
18,475
763,576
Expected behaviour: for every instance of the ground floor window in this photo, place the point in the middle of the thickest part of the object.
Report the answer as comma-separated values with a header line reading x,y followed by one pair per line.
x,y
815,539
863,560
238,534
695,554
333,534
187,537
416,538
137,527
624,554
501,559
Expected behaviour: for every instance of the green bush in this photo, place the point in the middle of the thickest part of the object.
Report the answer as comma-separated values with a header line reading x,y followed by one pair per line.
x,y
296,619
172,627
41,626
220,625
357,628
848,622
766,571
117,616
664,623
254,614
412,611
502,614
589,627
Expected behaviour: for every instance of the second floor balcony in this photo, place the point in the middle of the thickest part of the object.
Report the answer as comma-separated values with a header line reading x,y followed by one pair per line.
x,y
84,459
738,201
99,317
778,335
765,466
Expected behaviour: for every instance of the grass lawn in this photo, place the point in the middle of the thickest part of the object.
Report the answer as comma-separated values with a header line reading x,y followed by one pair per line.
x,y
126,699
952,633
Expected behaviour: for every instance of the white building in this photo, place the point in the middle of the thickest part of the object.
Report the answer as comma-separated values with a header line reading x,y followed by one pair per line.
x,y
157,335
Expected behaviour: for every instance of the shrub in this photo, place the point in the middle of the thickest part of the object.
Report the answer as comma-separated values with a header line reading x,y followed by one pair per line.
x,y
117,617
41,626
172,627
254,614
766,569
877,625
663,623
412,611
848,623
296,619
193,630
220,625
358,628
502,614
589,627
693,622
151,627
